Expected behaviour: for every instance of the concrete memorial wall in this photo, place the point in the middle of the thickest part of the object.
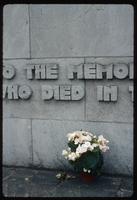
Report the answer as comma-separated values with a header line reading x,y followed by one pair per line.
x,y
66,68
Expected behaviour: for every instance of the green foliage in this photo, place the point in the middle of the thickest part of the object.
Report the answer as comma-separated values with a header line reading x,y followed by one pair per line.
x,y
90,160
72,146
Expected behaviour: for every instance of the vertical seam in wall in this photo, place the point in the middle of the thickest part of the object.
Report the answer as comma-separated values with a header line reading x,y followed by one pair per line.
x,y
31,142
29,32
85,94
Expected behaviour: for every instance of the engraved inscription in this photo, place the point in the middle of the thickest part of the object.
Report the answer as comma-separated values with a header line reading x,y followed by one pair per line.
x,y
29,69
121,71
68,92
65,92
15,92
98,71
12,92
104,70
100,93
4,91
77,93
24,92
131,72
47,92
42,71
75,71
52,71
107,93
62,92
8,72
131,89
90,71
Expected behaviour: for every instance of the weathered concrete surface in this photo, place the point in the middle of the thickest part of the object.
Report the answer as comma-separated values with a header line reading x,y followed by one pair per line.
x,y
119,111
17,142
50,136
81,30
20,182
16,31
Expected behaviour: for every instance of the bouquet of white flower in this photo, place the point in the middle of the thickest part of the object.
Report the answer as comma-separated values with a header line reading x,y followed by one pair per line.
x,y
85,151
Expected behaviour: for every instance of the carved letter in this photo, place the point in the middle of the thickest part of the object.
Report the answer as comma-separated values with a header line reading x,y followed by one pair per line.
x,y
13,92
120,71
8,72
75,70
40,71
4,91
131,89
77,93
47,92
52,71
131,70
29,69
100,93
56,92
104,69
90,71
25,92
110,93
106,93
65,92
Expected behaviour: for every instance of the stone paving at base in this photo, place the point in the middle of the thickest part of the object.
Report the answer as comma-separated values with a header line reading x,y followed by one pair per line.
x,y
26,182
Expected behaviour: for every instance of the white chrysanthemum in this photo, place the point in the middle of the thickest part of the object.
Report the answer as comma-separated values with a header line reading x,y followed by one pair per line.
x,y
85,170
79,139
89,171
77,155
58,176
103,148
69,149
84,147
102,140
86,144
85,133
72,156
76,141
79,136
80,149
87,138
64,152
91,148
71,136
94,145
88,133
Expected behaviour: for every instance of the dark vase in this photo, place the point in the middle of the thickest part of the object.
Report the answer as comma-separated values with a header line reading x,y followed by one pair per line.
x,y
86,177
